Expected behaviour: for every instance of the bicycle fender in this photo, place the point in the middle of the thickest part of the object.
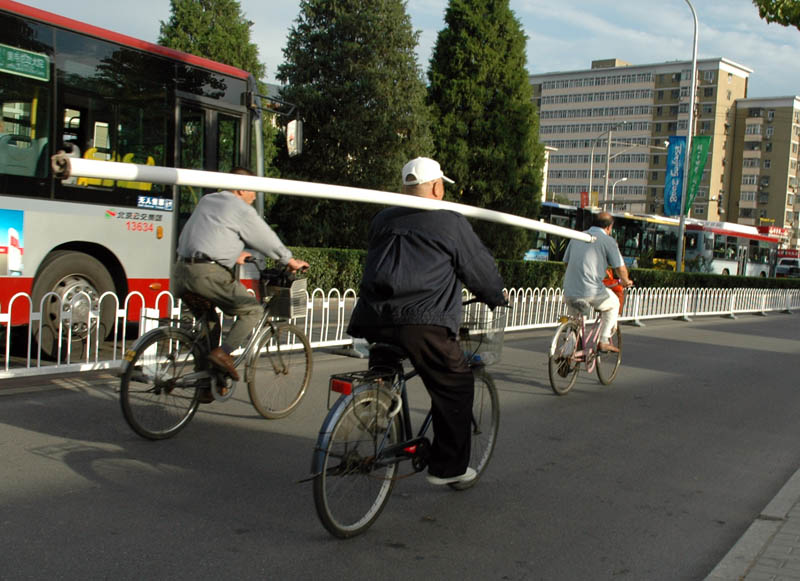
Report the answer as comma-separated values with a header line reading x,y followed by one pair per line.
x,y
336,411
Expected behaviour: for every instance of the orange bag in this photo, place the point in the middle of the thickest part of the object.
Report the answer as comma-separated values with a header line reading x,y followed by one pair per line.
x,y
616,287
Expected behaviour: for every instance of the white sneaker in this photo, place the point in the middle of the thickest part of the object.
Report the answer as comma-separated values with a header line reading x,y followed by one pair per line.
x,y
470,474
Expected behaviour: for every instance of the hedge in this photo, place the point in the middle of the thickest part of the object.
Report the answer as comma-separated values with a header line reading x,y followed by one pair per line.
x,y
341,268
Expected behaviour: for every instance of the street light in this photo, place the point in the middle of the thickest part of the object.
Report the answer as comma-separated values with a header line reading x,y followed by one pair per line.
x,y
591,155
614,185
686,161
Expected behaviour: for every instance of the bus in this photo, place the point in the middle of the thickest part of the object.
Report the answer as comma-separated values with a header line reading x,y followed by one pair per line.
x,y
66,85
728,248
644,240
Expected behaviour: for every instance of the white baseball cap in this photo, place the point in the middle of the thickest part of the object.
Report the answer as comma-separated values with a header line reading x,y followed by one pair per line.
x,y
422,170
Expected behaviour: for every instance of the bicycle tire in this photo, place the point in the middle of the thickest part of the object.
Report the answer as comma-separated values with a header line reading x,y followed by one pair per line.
x,y
277,379
151,404
486,422
350,490
561,364
608,362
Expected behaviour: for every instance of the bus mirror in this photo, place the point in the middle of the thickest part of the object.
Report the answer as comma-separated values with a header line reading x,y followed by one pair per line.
x,y
294,137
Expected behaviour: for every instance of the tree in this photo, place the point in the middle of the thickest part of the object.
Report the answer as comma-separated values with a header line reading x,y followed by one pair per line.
x,y
485,124
350,67
217,30
785,12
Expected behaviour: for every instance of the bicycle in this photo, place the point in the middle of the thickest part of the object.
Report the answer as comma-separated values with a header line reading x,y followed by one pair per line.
x,y
368,432
166,371
574,344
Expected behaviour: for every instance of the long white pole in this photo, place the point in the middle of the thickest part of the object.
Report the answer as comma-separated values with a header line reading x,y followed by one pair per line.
x,y
687,159
90,168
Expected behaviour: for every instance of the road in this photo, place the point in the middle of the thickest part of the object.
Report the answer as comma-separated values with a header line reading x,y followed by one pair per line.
x,y
654,477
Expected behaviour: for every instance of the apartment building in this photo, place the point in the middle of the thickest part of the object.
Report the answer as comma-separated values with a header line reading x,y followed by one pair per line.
x,y
619,116
764,169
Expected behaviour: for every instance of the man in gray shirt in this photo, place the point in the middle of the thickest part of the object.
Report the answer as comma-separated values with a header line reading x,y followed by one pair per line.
x,y
211,244
586,268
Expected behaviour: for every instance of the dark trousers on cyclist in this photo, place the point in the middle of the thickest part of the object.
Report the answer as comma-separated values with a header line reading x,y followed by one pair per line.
x,y
435,354
217,284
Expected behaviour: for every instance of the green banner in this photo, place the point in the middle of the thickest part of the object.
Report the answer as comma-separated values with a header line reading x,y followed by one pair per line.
x,y
697,163
24,63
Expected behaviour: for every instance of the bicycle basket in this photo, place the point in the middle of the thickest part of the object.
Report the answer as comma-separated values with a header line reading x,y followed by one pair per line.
x,y
287,297
481,333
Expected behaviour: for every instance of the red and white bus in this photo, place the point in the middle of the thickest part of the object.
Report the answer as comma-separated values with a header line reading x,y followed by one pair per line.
x,y
728,248
66,85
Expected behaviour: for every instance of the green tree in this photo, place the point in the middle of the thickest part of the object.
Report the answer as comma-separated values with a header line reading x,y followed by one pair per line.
x,y
217,30
485,124
785,12
351,69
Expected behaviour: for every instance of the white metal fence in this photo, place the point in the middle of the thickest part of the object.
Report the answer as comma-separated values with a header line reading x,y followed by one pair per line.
x,y
80,348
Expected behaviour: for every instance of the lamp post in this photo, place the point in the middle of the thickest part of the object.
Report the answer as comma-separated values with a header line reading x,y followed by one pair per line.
x,y
613,186
686,161
591,155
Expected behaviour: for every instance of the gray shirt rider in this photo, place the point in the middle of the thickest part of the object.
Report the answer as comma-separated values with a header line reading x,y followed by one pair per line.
x,y
588,262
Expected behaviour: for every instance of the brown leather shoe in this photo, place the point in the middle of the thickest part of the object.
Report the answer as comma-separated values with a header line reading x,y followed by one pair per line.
x,y
223,361
607,347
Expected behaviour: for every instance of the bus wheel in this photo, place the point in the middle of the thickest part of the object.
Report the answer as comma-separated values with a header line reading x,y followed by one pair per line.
x,y
77,281
725,271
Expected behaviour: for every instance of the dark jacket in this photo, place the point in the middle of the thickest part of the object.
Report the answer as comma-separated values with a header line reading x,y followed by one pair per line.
x,y
416,262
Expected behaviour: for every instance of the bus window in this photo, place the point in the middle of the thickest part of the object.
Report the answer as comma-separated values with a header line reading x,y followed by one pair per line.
x,y
228,137
24,126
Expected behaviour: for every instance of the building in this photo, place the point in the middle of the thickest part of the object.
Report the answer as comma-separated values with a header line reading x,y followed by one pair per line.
x,y
619,116
764,169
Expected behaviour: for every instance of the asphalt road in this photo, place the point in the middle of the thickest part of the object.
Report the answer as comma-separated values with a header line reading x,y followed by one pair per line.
x,y
654,477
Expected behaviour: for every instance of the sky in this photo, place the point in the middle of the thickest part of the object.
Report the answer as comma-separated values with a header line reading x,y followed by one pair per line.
x,y
563,35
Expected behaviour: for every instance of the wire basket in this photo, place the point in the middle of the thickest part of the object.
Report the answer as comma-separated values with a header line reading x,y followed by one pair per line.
x,y
481,333
287,300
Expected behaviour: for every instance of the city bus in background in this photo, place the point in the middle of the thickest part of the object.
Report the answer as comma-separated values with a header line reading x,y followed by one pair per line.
x,y
66,85
643,240
728,248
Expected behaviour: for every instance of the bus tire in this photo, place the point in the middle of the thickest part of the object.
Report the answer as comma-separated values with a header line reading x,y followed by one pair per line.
x,y
67,273
726,272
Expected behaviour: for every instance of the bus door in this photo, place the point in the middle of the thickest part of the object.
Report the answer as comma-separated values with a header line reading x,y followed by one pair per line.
x,y
741,259
207,139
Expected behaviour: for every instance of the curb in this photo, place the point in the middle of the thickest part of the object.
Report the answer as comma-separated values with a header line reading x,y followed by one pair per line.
x,y
745,554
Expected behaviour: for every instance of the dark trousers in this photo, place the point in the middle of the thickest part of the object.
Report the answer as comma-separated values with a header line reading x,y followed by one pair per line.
x,y
435,354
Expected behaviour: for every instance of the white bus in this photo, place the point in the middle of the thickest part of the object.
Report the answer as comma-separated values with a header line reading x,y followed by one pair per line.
x,y
66,85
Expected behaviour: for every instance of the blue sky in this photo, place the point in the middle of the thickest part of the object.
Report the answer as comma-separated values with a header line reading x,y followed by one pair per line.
x,y
562,34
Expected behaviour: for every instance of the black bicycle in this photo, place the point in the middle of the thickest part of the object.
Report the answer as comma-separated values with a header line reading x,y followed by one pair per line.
x,y
368,433
166,372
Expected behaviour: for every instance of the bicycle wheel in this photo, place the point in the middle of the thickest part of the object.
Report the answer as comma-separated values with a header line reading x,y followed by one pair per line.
x,y
153,403
608,362
352,486
277,377
562,365
485,423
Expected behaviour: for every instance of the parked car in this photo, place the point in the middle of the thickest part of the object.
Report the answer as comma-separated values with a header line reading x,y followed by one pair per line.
x,y
788,267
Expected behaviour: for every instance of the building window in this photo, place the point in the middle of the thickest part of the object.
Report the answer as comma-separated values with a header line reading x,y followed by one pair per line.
x,y
708,92
767,163
771,114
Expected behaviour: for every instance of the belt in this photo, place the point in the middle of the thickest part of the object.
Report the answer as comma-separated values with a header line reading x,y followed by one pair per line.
x,y
196,260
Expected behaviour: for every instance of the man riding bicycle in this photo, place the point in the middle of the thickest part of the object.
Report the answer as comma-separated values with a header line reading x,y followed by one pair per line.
x,y
211,244
410,296
586,268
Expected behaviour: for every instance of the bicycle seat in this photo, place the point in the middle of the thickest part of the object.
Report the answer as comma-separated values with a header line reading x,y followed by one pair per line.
x,y
196,303
388,350
582,306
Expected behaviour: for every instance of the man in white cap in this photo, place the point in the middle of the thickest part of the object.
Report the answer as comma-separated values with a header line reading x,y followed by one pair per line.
x,y
410,296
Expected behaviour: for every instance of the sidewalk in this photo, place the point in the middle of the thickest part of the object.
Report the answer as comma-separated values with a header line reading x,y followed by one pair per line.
x,y
770,548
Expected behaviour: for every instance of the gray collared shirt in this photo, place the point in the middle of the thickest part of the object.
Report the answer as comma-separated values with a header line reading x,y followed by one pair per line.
x,y
222,226
587,263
